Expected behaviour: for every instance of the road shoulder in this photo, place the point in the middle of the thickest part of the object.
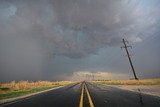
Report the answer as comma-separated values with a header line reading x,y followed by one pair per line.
x,y
9,100
153,90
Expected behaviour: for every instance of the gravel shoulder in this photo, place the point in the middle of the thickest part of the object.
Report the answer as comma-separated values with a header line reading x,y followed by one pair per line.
x,y
146,89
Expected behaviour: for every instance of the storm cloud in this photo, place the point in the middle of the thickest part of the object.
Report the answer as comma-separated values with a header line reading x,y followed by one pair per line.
x,y
32,32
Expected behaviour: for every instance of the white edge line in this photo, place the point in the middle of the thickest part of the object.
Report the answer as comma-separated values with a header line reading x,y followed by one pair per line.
x,y
20,98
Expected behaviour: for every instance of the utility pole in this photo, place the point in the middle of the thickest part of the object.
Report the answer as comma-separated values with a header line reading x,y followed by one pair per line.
x,y
126,48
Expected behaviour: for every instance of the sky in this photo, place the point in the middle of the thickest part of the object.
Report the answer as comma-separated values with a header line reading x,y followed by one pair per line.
x,y
78,39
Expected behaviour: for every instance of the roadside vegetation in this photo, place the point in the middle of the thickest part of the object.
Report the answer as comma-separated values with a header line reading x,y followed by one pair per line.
x,y
15,89
129,82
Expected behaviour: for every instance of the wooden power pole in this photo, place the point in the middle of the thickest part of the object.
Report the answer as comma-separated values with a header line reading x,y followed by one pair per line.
x,y
130,61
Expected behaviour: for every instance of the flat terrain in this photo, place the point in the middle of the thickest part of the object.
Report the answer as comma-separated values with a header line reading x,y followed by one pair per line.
x,y
17,89
101,96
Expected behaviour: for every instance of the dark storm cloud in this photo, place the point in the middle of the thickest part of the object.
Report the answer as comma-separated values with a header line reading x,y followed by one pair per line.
x,y
32,31
77,28
87,26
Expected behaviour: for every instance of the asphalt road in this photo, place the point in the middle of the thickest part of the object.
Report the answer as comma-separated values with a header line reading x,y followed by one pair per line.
x,y
108,96
100,96
63,97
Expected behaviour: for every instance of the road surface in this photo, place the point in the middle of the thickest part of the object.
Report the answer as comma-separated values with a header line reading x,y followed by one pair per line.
x,y
107,96
88,95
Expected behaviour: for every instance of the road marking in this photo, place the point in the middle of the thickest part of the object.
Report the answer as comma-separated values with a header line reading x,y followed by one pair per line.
x,y
89,97
81,99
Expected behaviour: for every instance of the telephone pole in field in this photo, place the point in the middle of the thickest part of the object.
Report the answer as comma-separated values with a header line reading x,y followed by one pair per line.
x,y
130,61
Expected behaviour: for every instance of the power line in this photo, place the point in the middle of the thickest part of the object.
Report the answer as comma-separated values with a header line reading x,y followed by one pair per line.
x,y
126,48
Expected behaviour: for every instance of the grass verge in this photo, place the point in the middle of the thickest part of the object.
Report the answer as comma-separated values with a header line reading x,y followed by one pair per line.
x,y
25,92
15,89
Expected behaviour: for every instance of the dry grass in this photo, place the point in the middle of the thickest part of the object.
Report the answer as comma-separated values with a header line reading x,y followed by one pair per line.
x,y
26,85
130,82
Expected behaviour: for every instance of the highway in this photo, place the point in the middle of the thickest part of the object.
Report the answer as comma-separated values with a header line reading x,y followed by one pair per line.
x,y
85,94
